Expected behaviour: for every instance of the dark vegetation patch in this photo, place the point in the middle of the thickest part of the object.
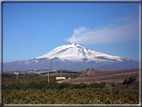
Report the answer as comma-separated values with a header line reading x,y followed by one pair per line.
x,y
31,89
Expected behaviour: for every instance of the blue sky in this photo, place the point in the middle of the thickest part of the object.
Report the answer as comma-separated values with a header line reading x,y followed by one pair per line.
x,y
34,29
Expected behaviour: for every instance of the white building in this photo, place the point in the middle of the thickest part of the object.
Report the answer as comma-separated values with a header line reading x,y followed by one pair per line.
x,y
59,78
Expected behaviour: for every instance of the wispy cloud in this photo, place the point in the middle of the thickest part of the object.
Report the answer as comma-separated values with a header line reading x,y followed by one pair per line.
x,y
105,35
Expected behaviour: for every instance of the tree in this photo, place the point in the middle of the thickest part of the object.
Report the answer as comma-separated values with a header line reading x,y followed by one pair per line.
x,y
131,80
125,81
112,84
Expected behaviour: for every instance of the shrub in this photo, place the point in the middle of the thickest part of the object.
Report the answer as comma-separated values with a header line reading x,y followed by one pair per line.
x,y
96,85
104,83
63,85
77,86
125,81
83,86
112,84
131,80
107,102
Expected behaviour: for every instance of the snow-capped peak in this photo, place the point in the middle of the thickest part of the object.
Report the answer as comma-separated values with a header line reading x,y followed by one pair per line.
x,y
76,52
73,45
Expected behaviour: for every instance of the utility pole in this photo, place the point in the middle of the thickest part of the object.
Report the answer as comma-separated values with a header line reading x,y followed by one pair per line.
x,y
49,71
17,76
48,76
51,65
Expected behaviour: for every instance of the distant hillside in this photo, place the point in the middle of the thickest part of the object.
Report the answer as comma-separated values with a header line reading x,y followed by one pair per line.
x,y
73,57
96,76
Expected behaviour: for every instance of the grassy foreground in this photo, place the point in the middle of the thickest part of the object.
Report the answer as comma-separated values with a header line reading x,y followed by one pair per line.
x,y
32,89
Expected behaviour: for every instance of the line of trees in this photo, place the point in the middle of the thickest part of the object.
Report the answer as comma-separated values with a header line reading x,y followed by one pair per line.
x,y
131,80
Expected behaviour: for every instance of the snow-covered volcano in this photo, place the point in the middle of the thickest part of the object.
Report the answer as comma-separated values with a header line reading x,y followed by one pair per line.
x,y
75,57
75,52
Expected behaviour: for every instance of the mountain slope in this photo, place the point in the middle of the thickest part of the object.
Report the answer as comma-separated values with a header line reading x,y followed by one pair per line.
x,y
75,52
73,56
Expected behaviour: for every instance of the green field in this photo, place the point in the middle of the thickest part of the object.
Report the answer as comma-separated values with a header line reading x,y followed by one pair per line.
x,y
32,89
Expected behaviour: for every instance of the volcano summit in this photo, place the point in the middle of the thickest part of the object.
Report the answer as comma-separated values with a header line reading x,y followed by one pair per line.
x,y
73,56
77,53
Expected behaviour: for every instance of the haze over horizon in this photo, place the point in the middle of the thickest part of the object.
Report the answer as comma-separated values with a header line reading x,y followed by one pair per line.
x,y
34,29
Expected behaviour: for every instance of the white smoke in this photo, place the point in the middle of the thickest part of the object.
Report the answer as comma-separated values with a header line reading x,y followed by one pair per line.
x,y
106,35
